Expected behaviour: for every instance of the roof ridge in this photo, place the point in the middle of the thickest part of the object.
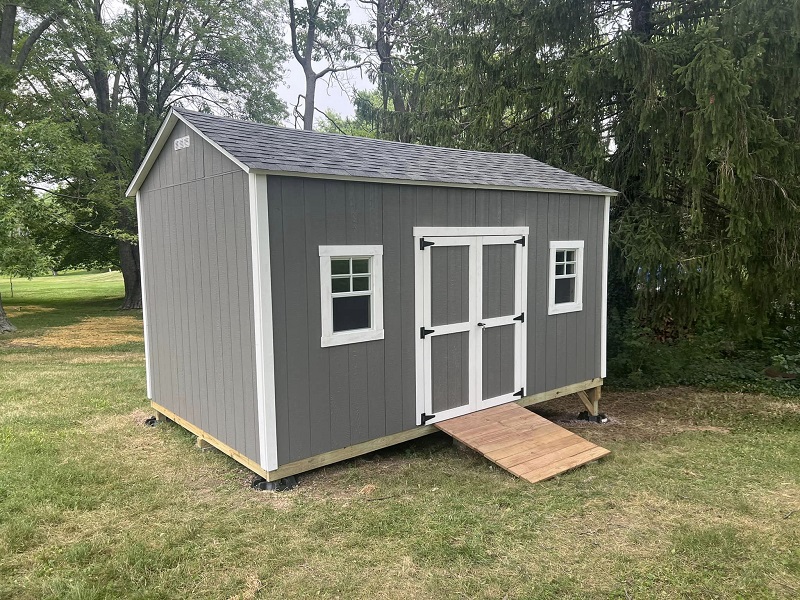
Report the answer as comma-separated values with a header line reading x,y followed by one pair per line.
x,y
186,111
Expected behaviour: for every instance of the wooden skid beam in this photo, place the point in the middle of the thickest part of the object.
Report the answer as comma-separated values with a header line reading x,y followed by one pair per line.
x,y
334,456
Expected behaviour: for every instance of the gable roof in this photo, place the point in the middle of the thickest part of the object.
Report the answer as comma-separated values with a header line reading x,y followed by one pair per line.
x,y
256,147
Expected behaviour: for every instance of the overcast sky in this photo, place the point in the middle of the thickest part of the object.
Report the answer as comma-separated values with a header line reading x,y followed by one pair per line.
x,y
330,95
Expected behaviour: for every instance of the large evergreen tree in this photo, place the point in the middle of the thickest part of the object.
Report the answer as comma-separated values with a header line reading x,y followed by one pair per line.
x,y
688,107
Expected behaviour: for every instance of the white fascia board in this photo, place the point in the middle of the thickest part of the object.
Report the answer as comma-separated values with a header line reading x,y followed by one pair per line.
x,y
153,152
262,322
158,144
445,184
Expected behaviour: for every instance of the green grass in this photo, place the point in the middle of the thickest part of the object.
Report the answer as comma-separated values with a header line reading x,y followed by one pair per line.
x,y
700,497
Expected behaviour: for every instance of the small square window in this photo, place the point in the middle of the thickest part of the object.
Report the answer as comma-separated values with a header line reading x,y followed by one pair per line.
x,y
566,277
340,284
340,266
360,265
360,284
352,303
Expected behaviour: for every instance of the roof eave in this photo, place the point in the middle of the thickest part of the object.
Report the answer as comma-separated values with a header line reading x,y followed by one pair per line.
x,y
481,186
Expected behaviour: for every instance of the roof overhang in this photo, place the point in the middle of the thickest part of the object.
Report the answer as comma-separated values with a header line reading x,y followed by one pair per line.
x,y
429,183
158,144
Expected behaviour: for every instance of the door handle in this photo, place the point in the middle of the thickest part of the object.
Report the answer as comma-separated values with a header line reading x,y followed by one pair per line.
x,y
481,324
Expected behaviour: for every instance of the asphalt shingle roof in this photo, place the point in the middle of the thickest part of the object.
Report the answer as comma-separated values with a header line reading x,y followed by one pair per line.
x,y
270,148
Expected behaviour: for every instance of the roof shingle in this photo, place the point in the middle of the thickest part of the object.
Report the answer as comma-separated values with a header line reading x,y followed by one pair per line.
x,y
270,148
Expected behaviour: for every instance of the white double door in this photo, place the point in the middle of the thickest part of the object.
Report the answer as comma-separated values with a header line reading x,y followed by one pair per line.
x,y
471,318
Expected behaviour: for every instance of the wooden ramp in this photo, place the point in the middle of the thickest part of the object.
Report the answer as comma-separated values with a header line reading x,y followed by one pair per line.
x,y
522,442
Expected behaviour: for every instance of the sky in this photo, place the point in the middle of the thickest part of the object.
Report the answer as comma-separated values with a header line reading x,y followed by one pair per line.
x,y
330,95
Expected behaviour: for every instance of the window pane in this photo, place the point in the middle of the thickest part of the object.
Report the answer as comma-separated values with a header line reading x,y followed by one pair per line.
x,y
559,269
360,265
571,255
360,284
559,256
340,284
570,268
351,312
565,290
340,266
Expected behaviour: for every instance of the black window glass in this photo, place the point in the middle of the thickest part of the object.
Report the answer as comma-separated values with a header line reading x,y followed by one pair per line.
x,y
340,266
340,284
565,290
360,265
351,313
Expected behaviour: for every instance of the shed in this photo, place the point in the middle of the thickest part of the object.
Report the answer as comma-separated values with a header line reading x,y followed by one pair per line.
x,y
311,297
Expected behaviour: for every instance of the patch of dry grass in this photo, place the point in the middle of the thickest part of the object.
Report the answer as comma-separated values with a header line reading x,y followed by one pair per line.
x,y
90,332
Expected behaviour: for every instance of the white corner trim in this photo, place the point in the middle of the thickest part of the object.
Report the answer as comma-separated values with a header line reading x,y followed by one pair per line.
x,y
376,332
262,321
565,307
604,290
470,231
145,319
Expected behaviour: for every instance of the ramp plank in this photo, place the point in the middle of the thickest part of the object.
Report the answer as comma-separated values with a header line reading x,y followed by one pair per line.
x,y
522,442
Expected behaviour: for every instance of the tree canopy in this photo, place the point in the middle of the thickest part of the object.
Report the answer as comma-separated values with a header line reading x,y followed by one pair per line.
x,y
688,108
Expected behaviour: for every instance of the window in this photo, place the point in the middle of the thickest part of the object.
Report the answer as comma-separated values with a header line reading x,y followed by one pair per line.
x,y
351,284
566,277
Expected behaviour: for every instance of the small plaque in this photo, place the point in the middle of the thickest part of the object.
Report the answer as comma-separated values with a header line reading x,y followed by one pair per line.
x,y
181,143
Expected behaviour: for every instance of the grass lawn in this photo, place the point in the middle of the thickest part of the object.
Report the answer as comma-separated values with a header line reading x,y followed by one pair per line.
x,y
700,497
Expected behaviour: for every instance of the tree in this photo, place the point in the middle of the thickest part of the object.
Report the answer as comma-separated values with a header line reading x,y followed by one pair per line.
x,y
363,124
18,36
115,74
688,108
321,33
43,152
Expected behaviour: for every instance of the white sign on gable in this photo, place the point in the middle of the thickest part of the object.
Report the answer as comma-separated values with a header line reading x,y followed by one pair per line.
x,y
181,143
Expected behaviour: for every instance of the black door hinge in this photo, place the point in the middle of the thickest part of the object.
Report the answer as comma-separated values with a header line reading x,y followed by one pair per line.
x,y
521,392
423,332
520,241
423,243
520,318
425,418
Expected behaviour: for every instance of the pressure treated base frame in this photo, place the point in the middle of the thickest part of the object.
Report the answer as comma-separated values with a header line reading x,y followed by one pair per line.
x,y
588,391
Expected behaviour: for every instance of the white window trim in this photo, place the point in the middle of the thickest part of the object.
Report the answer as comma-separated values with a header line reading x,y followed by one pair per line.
x,y
329,338
565,307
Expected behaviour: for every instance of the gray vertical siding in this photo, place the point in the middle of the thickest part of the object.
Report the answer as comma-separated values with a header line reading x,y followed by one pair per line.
x,y
329,398
196,248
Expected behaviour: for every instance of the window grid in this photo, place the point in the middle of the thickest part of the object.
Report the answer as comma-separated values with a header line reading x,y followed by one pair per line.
x,y
355,281
566,277
351,289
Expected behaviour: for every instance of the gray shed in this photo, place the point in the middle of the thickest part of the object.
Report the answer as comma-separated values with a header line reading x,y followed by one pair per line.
x,y
311,297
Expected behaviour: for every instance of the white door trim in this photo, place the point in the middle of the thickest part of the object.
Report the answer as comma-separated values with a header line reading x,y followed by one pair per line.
x,y
520,285
476,238
459,231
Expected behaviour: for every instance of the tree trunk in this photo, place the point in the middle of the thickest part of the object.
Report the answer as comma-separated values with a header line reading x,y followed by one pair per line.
x,y
311,92
131,275
5,324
